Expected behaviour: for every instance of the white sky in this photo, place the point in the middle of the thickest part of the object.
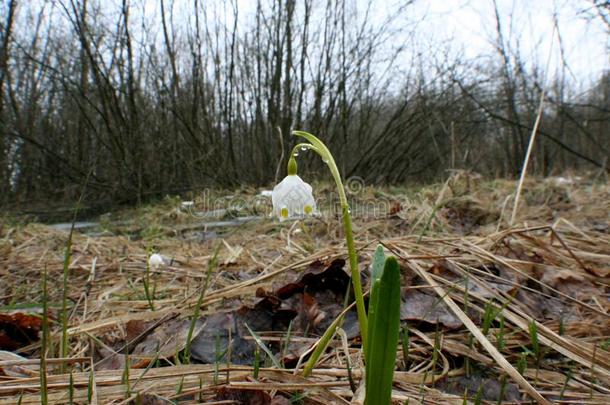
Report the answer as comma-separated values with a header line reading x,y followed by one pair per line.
x,y
466,26
471,24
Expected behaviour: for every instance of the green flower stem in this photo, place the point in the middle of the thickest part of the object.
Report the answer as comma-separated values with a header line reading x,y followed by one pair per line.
x,y
300,146
292,163
321,149
353,264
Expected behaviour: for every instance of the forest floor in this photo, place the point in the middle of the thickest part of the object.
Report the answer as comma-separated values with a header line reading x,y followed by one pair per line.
x,y
491,313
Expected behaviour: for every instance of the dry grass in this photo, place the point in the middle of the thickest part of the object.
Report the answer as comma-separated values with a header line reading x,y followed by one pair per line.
x,y
453,244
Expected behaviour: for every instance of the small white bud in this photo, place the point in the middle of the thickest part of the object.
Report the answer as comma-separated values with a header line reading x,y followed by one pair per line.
x,y
155,261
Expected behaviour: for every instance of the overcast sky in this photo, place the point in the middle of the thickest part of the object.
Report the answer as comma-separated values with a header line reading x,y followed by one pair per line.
x,y
468,26
471,24
465,26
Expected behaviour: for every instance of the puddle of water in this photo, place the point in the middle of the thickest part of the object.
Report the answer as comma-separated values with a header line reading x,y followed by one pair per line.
x,y
81,226
199,231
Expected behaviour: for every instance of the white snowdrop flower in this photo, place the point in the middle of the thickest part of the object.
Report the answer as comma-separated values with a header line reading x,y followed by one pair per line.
x,y
560,181
187,205
155,261
292,198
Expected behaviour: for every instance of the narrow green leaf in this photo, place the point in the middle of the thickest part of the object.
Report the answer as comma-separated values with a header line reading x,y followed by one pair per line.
x,y
90,386
189,337
376,273
502,389
478,399
286,343
180,386
378,263
65,343
44,400
263,346
384,323
321,345
257,361
405,345
71,389
125,378
533,329
149,297
373,305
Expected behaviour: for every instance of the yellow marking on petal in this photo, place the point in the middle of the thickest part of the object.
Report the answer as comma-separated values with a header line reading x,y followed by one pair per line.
x,y
308,209
284,212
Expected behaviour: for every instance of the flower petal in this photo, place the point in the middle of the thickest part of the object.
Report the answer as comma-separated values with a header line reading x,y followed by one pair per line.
x,y
292,197
155,260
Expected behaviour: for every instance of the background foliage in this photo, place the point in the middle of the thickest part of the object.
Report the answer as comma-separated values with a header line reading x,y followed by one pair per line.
x,y
161,97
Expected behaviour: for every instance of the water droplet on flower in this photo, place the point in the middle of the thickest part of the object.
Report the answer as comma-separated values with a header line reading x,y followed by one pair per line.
x,y
303,148
295,154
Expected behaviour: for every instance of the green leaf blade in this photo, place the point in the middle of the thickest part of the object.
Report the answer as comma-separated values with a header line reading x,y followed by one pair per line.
x,y
378,263
383,328
376,273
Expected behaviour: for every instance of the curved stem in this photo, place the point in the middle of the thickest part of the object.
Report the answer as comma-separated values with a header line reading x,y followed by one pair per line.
x,y
299,146
326,156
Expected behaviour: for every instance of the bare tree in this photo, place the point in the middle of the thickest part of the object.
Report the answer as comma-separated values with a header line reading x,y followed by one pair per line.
x,y
6,30
195,97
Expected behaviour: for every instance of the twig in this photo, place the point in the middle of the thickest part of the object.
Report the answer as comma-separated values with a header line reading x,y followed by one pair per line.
x,y
530,146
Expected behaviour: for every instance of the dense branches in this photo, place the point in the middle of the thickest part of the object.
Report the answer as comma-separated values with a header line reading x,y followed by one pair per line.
x,y
146,98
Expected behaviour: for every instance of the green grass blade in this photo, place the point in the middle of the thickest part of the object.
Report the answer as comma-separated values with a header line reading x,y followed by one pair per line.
x,y
384,316
404,332
65,344
149,297
322,345
263,346
90,387
257,363
71,389
533,329
189,337
286,343
64,349
45,341
125,378
429,222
